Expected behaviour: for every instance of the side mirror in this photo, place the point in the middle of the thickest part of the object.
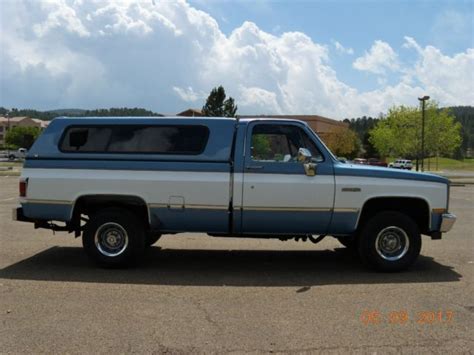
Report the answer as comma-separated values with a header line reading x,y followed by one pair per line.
x,y
304,156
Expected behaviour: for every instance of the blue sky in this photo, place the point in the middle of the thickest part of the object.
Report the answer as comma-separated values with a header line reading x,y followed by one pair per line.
x,y
448,25
333,58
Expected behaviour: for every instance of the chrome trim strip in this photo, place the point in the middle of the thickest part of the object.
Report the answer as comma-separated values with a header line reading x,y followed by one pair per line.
x,y
207,207
158,205
48,202
297,209
189,206
354,210
259,208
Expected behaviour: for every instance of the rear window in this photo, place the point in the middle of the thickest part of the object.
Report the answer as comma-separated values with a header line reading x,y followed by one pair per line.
x,y
188,140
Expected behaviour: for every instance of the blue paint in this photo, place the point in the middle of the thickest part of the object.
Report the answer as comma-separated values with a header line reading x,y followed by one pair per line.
x,y
47,211
123,164
217,148
436,222
343,223
341,169
285,222
190,220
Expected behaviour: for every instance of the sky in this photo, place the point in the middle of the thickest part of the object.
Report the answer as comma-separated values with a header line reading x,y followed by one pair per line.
x,y
333,58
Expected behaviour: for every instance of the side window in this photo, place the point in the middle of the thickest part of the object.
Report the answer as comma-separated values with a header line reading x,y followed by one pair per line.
x,y
186,140
280,143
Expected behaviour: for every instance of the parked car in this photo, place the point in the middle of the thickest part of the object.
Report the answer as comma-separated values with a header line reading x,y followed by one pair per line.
x,y
15,154
401,164
360,161
121,183
376,162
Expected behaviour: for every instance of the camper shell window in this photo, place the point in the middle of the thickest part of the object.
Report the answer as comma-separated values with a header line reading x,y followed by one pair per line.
x,y
156,139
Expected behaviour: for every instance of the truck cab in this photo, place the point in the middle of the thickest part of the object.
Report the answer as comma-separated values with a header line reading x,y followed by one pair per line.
x,y
123,182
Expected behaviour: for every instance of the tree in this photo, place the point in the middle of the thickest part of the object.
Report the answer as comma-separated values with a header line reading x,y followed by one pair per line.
x,y
217,105
343,141
361,126
399,133
22,137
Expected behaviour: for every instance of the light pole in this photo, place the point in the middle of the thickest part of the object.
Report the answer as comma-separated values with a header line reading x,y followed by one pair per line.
x,y
423,99
5,135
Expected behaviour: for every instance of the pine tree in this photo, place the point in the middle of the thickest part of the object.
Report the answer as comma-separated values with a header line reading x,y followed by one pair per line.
x,y
218,106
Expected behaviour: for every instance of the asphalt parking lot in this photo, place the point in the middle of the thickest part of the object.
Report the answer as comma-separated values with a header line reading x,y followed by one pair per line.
x,y
211,295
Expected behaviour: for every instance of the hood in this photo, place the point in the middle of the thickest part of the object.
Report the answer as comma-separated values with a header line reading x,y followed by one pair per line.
x,y
342,169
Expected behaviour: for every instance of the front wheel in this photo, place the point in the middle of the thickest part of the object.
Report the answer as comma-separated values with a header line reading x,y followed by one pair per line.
x,y
389,241
114,237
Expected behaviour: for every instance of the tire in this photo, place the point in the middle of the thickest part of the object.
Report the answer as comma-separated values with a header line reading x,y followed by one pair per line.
x,y
127,238
152,238
11,157
389,241
348,242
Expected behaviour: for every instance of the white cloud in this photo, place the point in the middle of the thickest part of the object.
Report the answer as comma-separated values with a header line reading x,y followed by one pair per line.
x,y
165,55
341,49
61,15
447,79
188,94
380,58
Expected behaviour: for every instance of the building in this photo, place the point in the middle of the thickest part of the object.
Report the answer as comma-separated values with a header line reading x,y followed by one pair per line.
x,y
21,121
321,125
190,112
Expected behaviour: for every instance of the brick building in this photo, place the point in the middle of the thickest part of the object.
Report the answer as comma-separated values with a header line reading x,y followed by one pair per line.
x,y
11,122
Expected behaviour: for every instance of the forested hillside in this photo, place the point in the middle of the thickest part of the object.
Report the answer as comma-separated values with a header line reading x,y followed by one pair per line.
x,y
49,115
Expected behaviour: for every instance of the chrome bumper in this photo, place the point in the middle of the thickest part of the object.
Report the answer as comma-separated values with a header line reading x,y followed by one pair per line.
x,y
447,222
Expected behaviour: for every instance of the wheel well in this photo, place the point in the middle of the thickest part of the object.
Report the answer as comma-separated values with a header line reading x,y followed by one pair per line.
x,y
88,205
415,208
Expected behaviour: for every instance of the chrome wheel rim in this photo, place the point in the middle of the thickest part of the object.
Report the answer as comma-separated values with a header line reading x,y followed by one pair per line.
x,y
392,243
111,239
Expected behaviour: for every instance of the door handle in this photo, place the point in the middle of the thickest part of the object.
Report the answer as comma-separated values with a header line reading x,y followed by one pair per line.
x,y
254,167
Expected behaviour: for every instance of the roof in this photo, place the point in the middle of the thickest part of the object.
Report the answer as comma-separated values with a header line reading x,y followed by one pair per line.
x,y
306,118
18,119
190,111
12,119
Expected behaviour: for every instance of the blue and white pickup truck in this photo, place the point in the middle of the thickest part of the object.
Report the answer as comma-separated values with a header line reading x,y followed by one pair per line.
x,y
124,182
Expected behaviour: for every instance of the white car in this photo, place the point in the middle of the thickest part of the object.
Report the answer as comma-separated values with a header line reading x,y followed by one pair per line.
x,y
401,164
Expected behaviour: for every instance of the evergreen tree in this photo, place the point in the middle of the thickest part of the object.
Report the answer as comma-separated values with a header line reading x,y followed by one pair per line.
x,y
218,106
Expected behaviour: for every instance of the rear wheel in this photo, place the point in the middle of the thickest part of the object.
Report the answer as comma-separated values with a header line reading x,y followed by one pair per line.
x,y
389,241
114,237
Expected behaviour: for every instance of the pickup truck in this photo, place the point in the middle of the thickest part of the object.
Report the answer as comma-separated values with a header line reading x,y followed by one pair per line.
x,y
15,154
121,183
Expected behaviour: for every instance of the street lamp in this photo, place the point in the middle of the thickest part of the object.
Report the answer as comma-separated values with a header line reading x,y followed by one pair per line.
x,y
5,134
423,99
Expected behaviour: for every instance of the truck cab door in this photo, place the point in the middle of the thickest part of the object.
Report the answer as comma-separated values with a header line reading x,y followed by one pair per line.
x,y
278,197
